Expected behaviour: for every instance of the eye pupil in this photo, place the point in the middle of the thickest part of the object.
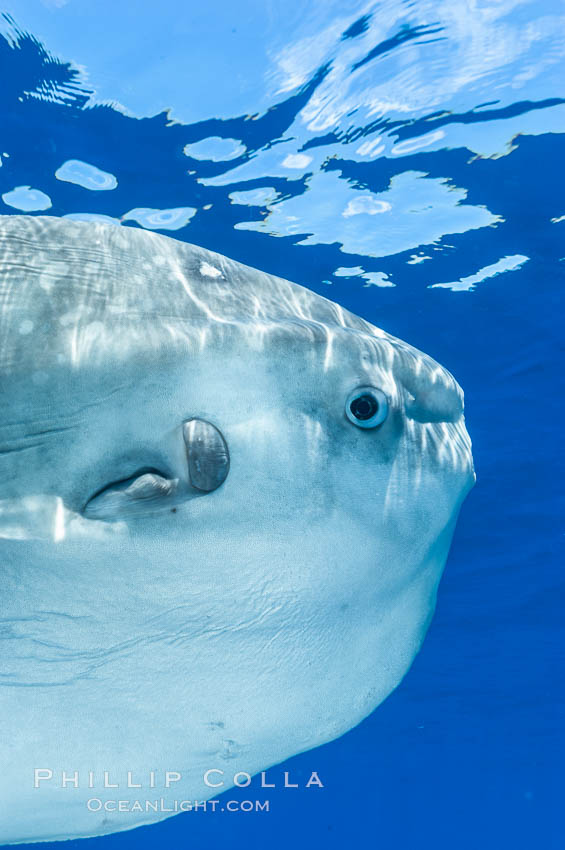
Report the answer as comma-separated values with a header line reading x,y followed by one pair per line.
x,y
364,407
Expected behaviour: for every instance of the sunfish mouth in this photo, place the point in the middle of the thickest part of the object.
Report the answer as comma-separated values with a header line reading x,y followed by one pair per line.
x,y
208,464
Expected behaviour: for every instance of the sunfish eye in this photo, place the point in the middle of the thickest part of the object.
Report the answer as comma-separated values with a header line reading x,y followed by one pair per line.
x,y
366,407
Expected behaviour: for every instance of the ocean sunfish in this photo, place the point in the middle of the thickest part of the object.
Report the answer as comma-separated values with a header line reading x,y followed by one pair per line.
x,y
225,506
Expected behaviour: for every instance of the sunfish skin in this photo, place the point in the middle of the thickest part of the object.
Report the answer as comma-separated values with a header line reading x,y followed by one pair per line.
x,y
208,562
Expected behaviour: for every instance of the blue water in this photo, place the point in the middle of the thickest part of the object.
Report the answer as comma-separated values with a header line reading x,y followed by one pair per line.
x,y
401,145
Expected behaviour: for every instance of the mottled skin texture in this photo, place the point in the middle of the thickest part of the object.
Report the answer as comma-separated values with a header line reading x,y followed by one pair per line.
x,y
244,625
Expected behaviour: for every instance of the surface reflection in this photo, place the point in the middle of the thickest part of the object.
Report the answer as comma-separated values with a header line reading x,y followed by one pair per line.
x,y
380,133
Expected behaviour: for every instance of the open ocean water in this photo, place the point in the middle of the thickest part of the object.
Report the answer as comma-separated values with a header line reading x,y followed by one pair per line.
x,y
404,159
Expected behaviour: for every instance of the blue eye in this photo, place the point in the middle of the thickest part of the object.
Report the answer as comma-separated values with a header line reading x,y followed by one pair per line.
x,y
366,407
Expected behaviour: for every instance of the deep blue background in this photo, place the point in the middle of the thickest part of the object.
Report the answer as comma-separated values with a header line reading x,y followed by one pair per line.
x,y
468,751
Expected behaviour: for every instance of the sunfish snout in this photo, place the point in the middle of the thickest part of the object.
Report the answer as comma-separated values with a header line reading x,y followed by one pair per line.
x,y
435,394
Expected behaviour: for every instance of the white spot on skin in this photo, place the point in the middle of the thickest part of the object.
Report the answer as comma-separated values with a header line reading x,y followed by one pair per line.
x,y
209,271
26,327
